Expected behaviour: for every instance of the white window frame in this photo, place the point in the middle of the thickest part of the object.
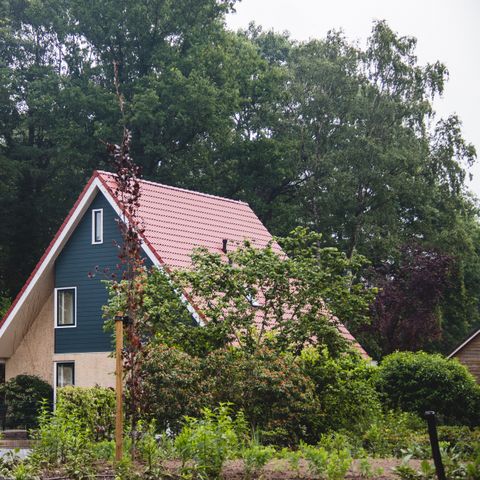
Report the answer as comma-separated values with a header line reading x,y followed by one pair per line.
x,y
64,362
55,377
94,212
74,307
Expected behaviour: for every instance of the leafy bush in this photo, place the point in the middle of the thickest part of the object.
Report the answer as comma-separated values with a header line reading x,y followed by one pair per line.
x,y
255,457
277,398
23,396
346,389
62,440
416,382
393,433
284,398
205,443
173,387
94,408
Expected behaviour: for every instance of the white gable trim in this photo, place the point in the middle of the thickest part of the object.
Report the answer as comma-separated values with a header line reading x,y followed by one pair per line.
x,y
468,340
52,254
60,242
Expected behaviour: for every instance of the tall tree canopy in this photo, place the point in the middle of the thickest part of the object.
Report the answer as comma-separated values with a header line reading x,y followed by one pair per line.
x,y
323,134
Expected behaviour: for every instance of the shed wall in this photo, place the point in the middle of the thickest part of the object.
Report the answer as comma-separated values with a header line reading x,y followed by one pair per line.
x,y
469,356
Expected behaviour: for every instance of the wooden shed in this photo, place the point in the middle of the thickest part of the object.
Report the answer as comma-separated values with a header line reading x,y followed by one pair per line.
x,y
468,353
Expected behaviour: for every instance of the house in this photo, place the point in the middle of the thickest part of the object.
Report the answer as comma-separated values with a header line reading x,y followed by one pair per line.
x,y
54,328
468,353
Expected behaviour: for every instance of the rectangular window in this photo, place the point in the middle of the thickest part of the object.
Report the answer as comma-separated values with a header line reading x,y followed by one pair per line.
x,y
65,374
66,306
97,226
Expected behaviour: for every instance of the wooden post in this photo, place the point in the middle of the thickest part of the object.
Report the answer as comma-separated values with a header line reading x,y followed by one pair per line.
x,y
119,387
437,457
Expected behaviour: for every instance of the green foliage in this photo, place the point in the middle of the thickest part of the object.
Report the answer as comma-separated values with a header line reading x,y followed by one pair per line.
x,y
94,407
345,387
286,399
5,303
392,434
276,396
255,457
366,470
327,464
174,387
125,469
455,468
317,458
62,441
12,467
406,472
23,396
293,457
260,297
205,443
465,440
153,449
417,382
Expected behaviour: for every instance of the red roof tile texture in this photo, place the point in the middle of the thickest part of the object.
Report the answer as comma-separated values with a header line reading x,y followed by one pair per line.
x,y
176,221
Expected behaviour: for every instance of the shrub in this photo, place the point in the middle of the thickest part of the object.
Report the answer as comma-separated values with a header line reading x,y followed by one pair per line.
x,y
210,440
393,433
173,387
255,457
416,382
94,408
284,398
63,441
23,396
277,398
346,389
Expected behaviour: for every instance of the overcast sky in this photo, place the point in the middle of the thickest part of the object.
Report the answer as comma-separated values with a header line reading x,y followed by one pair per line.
x,y
447,30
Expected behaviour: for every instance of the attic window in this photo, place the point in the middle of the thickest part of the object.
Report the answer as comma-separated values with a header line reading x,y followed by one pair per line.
x,y
97,226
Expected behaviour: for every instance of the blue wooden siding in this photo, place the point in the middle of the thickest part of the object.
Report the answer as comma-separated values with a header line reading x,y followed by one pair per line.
x,y
78,258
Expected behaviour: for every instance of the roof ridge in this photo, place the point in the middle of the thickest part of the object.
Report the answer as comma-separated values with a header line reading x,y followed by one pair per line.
x,y
157,184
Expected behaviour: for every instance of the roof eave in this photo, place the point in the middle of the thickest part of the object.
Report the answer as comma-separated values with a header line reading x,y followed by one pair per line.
x,y
464,344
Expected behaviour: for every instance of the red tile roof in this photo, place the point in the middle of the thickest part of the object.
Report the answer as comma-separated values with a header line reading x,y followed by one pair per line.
x,y
176,221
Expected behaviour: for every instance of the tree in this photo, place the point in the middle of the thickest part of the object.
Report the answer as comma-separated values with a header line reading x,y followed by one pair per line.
x,y
323,134
370,174
405,312
254,297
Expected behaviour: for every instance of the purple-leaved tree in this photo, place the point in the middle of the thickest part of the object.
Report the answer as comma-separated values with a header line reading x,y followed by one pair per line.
x,y
405,314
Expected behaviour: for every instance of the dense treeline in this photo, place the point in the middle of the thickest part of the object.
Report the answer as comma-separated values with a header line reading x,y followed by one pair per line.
x,y
323,134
